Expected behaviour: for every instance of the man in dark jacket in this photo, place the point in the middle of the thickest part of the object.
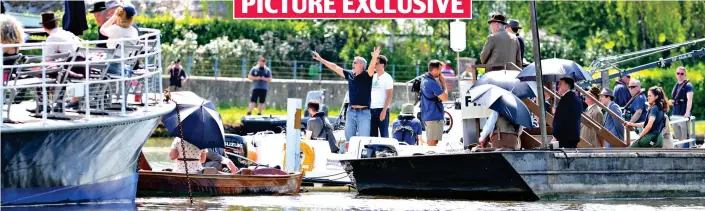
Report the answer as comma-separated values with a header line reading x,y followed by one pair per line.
x,y
566,123
513,28
621,93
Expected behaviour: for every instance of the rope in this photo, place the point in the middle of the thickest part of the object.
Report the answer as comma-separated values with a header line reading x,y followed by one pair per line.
x,y
167,95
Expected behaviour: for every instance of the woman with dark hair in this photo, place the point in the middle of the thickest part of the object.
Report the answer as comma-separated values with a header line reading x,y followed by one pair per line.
x,y
655,122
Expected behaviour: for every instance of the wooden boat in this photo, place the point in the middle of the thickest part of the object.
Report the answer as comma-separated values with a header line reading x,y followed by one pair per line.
x,y
261,182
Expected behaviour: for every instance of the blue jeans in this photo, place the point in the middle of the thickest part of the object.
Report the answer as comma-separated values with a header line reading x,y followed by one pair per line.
x,y
357,123
114,68
379,128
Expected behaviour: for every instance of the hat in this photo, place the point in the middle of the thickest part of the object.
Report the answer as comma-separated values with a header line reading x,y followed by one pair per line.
x,y
112,4
407,110
178,60
98,6
48,17
130,10
514,24
595,92
607,92
497,18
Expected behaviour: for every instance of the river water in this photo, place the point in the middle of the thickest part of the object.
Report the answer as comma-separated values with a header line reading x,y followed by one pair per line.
x,y
158,159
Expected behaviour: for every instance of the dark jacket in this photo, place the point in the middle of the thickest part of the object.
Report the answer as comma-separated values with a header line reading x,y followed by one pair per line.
x,y
566,121
621,93
74,19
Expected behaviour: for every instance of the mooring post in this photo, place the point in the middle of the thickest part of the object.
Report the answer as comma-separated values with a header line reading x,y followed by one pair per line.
x,y
293,139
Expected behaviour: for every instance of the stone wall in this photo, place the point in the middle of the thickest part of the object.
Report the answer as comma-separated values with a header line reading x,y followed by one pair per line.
x,y
236,91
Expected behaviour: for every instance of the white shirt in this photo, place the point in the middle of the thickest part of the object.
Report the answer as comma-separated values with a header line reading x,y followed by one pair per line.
x,y
191,152
60,35
489,125
380,84
115,32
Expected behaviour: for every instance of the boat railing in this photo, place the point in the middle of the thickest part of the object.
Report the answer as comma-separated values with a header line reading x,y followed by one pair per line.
x,y
690,139
49,81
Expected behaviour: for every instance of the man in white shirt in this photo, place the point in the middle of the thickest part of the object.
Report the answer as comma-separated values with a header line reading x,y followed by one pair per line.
x,y
57,34
381,97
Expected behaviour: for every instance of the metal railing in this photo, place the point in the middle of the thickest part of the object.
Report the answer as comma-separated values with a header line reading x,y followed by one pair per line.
x,y
97,89
690,139
288,69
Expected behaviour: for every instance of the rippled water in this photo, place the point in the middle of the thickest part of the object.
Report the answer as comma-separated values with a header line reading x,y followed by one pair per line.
x,y
158,158
350,201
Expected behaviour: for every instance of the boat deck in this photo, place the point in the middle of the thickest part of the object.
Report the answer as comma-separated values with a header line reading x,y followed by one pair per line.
x,y
24,118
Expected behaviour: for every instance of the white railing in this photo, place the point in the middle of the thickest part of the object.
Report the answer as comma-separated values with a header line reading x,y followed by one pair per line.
x,y
690,123
146,49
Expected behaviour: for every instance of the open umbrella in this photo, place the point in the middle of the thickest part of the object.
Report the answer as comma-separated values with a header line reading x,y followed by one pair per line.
x,y
555,69
503,102
202,124
507,79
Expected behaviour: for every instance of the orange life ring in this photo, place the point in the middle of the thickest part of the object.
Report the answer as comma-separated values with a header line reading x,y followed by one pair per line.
x,y
306,160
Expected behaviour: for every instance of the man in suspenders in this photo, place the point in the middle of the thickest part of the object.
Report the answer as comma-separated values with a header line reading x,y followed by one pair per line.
x,y
682,100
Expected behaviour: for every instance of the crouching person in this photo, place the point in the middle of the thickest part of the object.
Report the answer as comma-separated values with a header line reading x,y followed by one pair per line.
x,y
406,128
502,133
216,158
318,126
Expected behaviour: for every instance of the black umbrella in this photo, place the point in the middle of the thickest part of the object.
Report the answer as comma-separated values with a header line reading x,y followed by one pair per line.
x,y
503,102
555,69
507,79
202,124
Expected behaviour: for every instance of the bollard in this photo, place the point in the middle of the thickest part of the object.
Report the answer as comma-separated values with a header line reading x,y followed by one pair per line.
x,y
293,139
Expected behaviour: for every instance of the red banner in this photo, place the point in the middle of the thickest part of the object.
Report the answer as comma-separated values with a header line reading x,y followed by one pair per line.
x,y
352,9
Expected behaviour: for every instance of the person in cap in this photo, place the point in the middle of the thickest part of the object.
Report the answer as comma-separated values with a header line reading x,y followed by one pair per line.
x,y
611,124
177,75
595,113
407,128
513,28
50,25
319,127
501,47
117,27
621,93
568,115
102,11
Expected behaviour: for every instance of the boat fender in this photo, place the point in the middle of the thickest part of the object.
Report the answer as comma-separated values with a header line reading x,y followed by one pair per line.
x,y
308,156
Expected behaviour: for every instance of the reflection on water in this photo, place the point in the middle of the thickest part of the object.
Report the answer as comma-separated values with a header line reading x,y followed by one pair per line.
x,y
348,201
158,158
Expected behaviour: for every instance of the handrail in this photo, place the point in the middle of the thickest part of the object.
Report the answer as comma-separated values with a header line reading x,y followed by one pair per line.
x,y
617,117
602,131
147,45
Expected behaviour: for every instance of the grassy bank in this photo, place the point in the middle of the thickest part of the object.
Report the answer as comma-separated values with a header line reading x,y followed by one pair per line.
x,y
233,114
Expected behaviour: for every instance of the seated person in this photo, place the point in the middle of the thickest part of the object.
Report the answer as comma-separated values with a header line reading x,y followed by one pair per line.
x,y
216,159
406,128
318,126
194,156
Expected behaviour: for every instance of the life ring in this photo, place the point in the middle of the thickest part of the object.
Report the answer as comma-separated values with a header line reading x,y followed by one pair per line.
x,y
449,123
306,160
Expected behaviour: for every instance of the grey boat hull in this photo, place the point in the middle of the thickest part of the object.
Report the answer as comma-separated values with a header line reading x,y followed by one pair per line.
x,y
536,175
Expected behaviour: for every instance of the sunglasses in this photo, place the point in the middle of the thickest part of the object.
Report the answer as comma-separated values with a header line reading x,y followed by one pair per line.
x,y
631,87
680,73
